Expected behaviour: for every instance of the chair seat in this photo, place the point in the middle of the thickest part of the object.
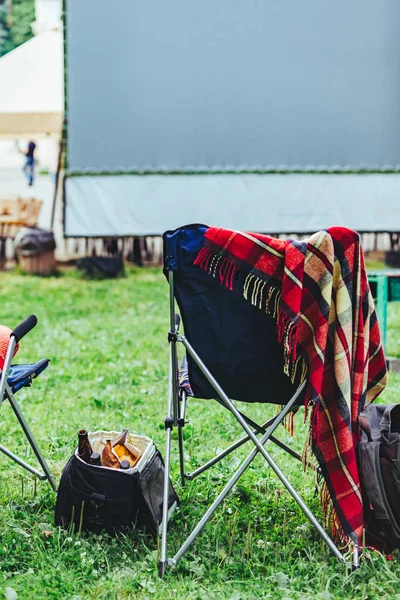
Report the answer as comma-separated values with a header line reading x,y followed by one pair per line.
x,y
21,376
184,381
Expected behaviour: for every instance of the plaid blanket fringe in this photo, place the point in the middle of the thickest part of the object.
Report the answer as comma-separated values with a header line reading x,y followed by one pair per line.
x,y
265,296
342,355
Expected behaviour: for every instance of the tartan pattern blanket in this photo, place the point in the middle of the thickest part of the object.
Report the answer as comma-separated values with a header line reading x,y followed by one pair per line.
x,y
317,290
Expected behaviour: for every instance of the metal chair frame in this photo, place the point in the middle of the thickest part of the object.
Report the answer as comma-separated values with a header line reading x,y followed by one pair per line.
x,y
6,393
176,414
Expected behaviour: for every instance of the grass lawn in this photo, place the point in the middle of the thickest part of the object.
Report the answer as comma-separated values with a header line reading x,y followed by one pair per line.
x,y
109,363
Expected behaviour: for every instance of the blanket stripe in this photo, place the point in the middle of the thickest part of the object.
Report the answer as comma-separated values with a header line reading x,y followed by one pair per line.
x,y
317,290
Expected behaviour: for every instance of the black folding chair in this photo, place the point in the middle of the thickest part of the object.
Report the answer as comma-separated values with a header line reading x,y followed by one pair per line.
x,y
14,378
231,352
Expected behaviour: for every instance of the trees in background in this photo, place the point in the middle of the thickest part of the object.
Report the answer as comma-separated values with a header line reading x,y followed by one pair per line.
x,y
16,17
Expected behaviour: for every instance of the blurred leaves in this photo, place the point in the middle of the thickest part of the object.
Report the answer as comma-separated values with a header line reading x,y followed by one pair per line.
x,y
16,17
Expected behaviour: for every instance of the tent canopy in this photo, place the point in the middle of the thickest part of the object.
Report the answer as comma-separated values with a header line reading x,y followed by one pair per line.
x,y
31,84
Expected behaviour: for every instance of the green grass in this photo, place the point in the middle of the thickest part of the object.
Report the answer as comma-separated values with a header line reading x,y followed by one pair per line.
x,y
109,364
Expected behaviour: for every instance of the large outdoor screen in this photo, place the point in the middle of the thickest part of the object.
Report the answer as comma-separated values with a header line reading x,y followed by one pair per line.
x,y
199,91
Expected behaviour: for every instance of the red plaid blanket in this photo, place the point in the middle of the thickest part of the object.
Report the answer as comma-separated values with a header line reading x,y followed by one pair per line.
x,y
318,292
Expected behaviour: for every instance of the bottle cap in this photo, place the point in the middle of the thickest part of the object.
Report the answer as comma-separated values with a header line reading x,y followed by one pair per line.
x,y
125,464
95,459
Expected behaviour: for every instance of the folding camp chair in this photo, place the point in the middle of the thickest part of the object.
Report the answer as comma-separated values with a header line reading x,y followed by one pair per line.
x,y
17,377
231,352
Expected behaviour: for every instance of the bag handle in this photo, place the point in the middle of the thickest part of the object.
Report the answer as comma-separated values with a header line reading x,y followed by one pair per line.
x,y
389,421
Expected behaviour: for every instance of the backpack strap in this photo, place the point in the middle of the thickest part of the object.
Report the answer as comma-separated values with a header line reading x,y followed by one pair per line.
x,y
371,475
369,453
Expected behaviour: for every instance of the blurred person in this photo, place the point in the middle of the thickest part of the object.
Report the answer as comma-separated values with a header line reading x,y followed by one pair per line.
x,y
29,166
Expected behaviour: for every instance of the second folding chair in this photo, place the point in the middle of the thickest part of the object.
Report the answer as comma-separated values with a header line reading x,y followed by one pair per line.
x,y
14,378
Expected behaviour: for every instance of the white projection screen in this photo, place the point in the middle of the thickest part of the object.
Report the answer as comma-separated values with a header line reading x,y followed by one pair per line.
x,y
266,115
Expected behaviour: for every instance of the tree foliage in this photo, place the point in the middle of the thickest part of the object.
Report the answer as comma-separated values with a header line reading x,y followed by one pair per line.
x,y
16,17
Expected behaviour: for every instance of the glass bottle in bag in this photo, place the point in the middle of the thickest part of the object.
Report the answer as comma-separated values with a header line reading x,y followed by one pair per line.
x,y
84,447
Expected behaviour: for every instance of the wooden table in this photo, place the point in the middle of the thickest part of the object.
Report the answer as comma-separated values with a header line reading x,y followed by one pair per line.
x,y
16,213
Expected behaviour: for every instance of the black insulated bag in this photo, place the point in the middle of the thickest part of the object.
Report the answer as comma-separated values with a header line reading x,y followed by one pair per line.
x,y
96,498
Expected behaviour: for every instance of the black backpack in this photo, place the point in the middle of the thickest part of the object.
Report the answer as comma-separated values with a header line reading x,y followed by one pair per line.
x,y
379,465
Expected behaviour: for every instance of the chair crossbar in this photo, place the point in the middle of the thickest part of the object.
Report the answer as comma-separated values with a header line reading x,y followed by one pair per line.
x,y
213,461
6,393
288,449
261,430
260,443
225,453
22,463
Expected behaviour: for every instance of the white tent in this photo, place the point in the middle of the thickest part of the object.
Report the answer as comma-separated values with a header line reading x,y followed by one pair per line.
x,y
32,89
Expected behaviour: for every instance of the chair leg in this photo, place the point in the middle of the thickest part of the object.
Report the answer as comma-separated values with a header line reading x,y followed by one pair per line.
x,y
181,424
356,558
162,564
32,442
181,457
169,420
